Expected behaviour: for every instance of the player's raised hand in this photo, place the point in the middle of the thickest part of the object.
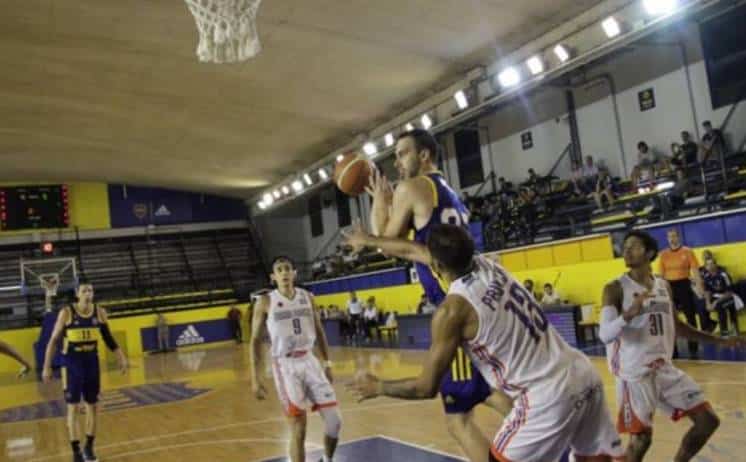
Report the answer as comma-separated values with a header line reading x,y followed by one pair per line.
x,y
259,391
365,386
24,371
380,189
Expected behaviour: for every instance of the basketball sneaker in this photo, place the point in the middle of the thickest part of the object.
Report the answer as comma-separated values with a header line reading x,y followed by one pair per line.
x,y
78,457
89,455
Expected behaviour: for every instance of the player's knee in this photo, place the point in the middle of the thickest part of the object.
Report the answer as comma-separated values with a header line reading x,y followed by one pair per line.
x,y
298,426
456,424
706,421
332,422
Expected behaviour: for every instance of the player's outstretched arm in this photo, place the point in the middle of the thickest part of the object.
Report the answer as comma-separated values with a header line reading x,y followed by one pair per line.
x,y
258,327
8,350
59,327
447,332
396,247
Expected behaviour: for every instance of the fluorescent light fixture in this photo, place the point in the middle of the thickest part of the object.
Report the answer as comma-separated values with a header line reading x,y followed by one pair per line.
x,y
611,27
535,65
340,157
267,199
323,174
370,148
562,53
409,127
664,186
426,121
276,193
285,190
262,205
509,77
389,140
660,7
307,179
297,186
461,99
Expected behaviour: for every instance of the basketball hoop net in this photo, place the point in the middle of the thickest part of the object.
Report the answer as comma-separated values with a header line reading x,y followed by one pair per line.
x,y
49,282
227,29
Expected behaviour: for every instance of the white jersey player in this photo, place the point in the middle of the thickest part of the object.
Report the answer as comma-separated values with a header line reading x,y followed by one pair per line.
x,y
639,327
558,399
294,328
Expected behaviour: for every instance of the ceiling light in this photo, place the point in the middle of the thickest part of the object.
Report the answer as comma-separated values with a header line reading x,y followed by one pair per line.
x,y
340,158
461,100
660,7
307,179
370,148
389,140
276,193
535,65
509,77
267,199
561,52
297,186
409,127
323,174
285,190
262,205
611,27
426,121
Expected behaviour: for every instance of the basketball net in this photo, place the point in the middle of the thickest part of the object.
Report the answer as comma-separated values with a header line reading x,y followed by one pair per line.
x,y
49,282
227,29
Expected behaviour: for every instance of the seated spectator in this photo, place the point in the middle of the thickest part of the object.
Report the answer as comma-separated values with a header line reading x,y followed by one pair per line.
x,y
719,295
590,170
391,319
550,297
649,164
533,178
527,198
577,180
370,317
425,307
505,188
604,190
318,268
323,312
713,144
680,191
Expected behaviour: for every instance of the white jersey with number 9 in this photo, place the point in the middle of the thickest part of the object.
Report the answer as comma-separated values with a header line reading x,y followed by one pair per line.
x,y
290,323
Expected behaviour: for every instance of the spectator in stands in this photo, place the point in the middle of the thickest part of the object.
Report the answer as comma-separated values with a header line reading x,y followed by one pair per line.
x,y
234,316
604,190
713,143
425,307
533,178
528,284
590,170
648,163
370,317
163,335
680,191
719,295
391,319
689,151
355,310
323,312
505,188
527,198
550,297
318,268
679,266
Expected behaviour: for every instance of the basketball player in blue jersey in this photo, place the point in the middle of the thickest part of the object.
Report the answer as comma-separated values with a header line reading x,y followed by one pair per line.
x,y
423,199
81,325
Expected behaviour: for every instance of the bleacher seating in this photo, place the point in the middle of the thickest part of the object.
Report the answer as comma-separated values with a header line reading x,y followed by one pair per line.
x,y
133,274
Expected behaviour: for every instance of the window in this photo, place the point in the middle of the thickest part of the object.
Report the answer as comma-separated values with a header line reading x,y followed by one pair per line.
x,y
468,157
316,213
724,46
344,217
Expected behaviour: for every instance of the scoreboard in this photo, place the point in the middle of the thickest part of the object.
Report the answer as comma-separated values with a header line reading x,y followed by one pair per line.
x,y
33,207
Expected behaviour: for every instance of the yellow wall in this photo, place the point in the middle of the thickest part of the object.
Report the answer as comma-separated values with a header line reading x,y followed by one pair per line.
x,y
88,205
125,330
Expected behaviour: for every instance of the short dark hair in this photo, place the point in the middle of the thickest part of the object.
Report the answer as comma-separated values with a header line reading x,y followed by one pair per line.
x,y
281,258
547,285
452,247
648,241
423,139
707,123
642,144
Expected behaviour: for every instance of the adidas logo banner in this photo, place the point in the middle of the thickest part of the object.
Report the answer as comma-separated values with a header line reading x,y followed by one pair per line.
x,y
190,336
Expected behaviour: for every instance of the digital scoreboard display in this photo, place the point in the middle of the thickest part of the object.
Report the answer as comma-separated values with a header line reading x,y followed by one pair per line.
x,y
33,207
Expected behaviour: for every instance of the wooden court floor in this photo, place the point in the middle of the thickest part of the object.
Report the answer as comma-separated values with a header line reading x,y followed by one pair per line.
x,y
196,405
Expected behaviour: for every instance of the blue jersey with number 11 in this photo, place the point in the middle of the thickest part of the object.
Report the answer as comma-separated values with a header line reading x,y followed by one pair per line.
x,y
448,210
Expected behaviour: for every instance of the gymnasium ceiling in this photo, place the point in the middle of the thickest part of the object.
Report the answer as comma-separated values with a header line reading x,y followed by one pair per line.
x,y
111,90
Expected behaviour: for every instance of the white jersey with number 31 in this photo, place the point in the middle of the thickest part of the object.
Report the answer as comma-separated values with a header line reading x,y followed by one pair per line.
x,y
649,337
290,323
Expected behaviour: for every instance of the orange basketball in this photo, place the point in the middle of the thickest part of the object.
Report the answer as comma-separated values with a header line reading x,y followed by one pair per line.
x,y
352,173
